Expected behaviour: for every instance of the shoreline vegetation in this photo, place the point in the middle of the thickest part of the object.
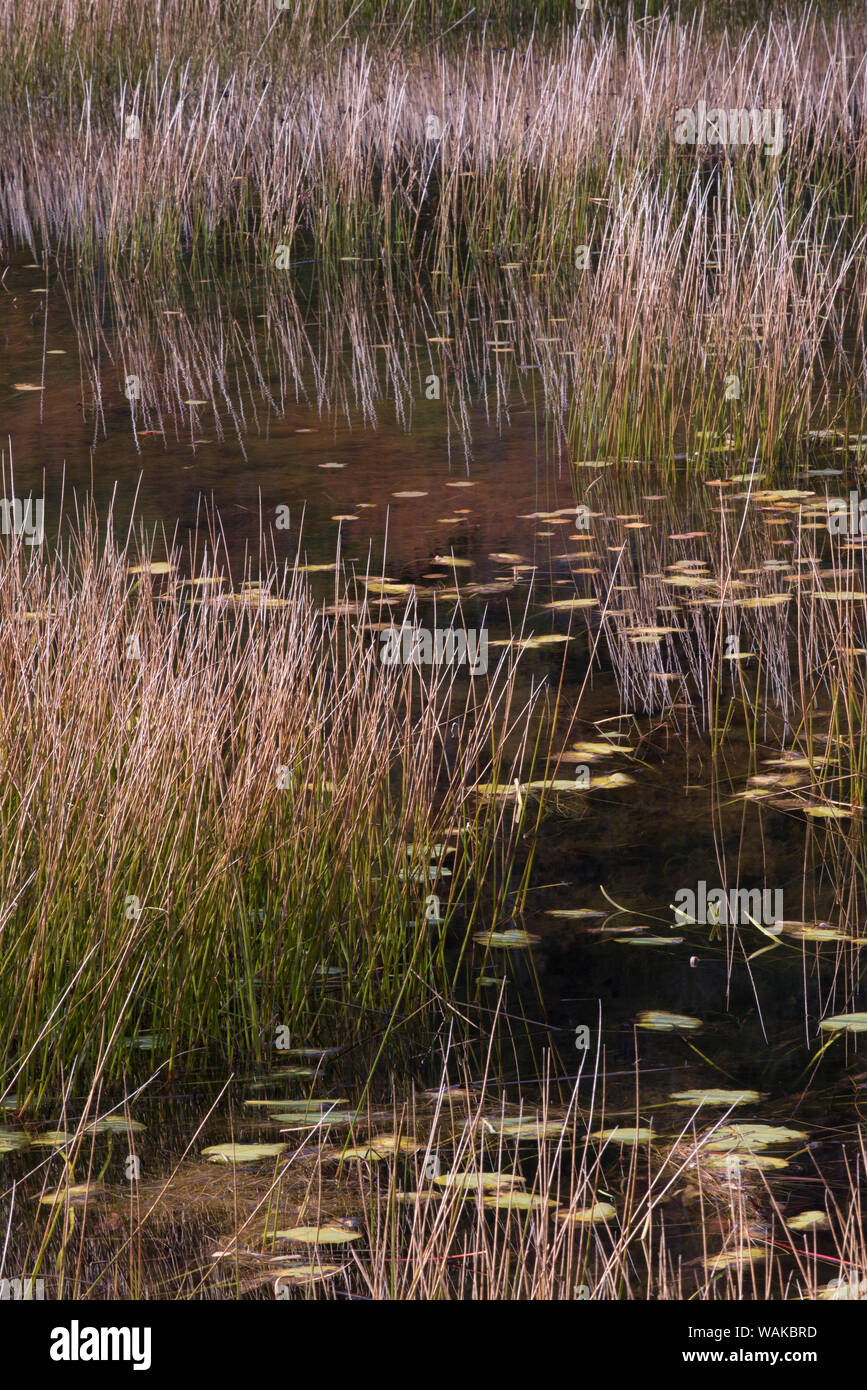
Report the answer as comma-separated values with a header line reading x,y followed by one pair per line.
x,y
273,829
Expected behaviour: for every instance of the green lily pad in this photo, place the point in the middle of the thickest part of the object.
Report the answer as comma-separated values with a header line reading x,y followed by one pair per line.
x,y
808,1221
751,1137
115,1124
242,1153
145,1042
737,1162
620,1134
748,1254
381,1145
506,939
517,1201
661,1022
811,931
574,913
599,1211
845,1023
284,1074
11,1139
319,1235
305,1274
77,1193
317,1119
714,1097
648,940
481,1182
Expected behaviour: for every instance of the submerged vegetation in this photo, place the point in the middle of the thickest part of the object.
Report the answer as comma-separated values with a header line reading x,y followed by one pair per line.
x,y
433,623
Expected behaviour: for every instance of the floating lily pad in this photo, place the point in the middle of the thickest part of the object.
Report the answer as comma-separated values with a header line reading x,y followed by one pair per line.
x,y
661,1022
734,1163
53,1139
313,1119
285,1074
517,1201
648,940
574,913
11,1139
481,1182
808,1221
621,1134
305,1274
319,1235
80,1192
242,1153
845,1023
506,939
565,605
813,931
429,1195
599,1211
752,1137
381,1145
726,1259
115,1124
714,1097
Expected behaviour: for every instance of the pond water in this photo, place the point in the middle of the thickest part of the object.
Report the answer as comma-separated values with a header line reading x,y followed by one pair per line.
x,y
688,670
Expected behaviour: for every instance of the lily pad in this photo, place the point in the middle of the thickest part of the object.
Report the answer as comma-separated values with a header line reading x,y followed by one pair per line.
x,y
661,1022
481,1182
381,1145
599,1211
737,1162
77,1193
845,1023
714,1097
808,1221
810,931
242,1153
305,1274
319,1235
115,1124
748,1254
621,1134
11,1139
751,1137
574,913
506,940
648,940
517,1201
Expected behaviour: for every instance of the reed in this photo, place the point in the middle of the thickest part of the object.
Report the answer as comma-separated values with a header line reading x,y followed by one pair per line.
x,y
217,804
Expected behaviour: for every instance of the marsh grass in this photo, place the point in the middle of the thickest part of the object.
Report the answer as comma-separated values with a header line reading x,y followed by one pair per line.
x,y
441,1216
219,808
704,265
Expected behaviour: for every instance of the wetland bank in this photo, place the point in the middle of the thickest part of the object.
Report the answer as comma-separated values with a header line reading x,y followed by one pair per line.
x,y
432,686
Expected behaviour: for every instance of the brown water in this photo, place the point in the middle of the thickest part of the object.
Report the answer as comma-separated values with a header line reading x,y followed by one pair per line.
x,y
474,465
